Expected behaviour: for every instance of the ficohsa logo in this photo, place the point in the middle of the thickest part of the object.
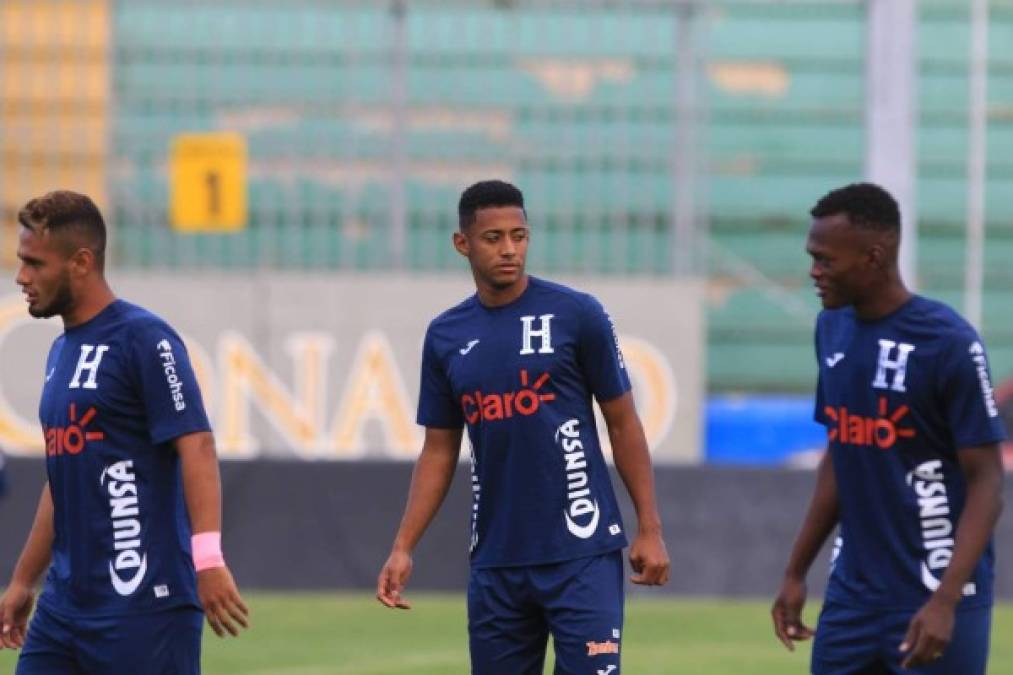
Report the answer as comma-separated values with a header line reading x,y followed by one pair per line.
x,y
120,482
168,360
578,490
977,352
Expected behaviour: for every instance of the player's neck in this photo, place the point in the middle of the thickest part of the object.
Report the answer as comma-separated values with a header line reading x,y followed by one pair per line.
x,y
884,302
96,297
492,296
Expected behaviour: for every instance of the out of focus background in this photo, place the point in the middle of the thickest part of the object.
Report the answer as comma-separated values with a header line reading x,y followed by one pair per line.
x,y
280,180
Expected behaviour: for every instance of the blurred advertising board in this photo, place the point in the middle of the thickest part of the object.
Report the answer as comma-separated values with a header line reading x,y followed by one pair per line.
x,y
325,366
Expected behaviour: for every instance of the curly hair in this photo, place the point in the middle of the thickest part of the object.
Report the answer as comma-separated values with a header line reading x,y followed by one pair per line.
x,y
866,205
486,194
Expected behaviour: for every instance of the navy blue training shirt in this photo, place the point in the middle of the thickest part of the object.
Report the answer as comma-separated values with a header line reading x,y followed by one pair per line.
x,y
521,377
119,388
900,396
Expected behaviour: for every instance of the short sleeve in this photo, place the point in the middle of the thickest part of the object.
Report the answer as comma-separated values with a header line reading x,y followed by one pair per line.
x,y
600,356
437,408
819,409
966,392
168,388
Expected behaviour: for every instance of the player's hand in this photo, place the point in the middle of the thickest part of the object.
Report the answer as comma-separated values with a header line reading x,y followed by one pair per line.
x,y
223,606
392,580
15,607
928,634
787,613
649,560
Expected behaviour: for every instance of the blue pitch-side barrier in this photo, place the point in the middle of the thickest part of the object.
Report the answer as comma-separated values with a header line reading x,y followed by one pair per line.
x,y
762,430
322,525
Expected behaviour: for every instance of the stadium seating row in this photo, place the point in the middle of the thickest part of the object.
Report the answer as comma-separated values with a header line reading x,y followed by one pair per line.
x,y
577,106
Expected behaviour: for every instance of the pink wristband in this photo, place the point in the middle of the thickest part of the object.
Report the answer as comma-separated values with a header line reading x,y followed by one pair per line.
x,y
207,550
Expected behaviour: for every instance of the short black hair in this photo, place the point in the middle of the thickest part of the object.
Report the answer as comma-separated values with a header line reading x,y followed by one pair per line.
x,y
487,194
866,205
65,212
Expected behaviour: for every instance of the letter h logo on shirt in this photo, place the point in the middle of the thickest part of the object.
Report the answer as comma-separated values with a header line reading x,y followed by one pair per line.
x,y
544,332
89,366
898,365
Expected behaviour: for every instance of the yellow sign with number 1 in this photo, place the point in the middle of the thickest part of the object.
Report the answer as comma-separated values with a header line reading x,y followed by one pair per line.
x,y
207,182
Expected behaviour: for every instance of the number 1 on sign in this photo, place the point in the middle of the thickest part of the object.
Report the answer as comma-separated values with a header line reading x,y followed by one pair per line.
x,y
207,182
213,180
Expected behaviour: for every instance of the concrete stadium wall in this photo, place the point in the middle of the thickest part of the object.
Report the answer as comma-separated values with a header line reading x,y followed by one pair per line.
x,y
302,525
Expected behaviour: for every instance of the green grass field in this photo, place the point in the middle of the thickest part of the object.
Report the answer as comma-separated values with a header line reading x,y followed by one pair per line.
x,y
352,635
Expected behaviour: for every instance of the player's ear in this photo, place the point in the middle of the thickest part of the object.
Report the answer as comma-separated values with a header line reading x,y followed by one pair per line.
x,y
877,256
81,262
461,243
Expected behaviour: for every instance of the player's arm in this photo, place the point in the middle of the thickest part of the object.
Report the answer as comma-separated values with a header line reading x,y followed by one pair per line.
x,y
931,628
16,603
431,480
820,520
648,555
202,489
17,600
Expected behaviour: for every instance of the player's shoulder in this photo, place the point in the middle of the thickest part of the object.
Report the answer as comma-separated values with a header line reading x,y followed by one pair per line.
x,y
937,310
136,315
938,318
462,311
565,296
830,319
136,319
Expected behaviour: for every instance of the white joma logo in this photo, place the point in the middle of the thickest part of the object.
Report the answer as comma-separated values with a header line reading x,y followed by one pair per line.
x,y
465,350
608,669
835,359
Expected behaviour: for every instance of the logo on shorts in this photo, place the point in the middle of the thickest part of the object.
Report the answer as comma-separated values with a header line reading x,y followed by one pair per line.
x,y
607,670
578,484
120,482
602,648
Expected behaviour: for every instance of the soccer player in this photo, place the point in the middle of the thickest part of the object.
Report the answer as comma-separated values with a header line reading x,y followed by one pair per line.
x,y
132,473
912,474
518,363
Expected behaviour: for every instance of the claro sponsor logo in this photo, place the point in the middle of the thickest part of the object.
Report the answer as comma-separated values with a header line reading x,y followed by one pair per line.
x,y
73,438
578,489
936,521
854,429
526,401
127,568
168,360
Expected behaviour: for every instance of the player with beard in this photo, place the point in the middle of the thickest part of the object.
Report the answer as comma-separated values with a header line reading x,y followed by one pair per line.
x,y
912,475
129,521
518,363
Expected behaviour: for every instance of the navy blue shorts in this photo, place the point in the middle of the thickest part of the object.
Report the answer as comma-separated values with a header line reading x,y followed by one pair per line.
x,y
852,641
163,643
512,611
